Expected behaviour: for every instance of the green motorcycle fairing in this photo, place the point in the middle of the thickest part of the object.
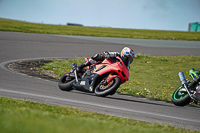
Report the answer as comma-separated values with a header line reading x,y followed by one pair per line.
x,y
194,74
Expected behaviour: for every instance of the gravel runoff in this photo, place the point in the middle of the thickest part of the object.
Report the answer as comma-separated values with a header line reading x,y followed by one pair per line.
x,y
30,68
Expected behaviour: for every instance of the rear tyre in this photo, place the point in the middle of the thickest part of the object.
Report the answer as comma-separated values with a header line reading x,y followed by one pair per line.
x,y
180,98
109,89
65,83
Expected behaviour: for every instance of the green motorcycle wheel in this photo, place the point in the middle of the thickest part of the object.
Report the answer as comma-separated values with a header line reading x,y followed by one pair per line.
x,y
180,98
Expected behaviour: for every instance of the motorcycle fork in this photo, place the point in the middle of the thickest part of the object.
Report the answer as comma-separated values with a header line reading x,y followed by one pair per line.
x,y
74,67
192,96
185,85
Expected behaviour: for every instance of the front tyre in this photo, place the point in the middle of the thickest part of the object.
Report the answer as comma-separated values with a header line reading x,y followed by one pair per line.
x,y
180,97
109,89
65,83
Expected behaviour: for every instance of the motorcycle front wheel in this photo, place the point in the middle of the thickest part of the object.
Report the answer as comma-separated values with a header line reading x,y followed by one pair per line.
x,y
65,83
180,98
108,89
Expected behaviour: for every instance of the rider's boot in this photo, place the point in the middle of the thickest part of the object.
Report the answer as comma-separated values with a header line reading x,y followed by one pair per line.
x,y
81,66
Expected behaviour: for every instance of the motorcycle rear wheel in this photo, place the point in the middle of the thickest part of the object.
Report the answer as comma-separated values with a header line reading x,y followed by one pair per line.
x,y
109,89
180,98
65,83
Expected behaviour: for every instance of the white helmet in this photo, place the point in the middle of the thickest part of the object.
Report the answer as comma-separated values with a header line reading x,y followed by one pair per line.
x,y
128,52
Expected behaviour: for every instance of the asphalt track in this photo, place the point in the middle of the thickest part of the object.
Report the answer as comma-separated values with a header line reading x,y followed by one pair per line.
x,y
23,46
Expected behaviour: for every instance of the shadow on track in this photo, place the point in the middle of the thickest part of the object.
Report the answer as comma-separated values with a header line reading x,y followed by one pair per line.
x,y
150,101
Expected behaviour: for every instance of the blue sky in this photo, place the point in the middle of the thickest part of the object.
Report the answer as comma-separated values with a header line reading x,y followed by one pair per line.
x,y
133,14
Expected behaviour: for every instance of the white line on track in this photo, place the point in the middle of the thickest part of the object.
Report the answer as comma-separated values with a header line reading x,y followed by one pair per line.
x,y
98,105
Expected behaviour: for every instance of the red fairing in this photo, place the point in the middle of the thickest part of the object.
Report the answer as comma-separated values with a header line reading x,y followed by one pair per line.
x,y
115,69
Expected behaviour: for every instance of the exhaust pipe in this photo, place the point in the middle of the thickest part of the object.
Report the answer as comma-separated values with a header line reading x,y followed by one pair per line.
x,y
182,77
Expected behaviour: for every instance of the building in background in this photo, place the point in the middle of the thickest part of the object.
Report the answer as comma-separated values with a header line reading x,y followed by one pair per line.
x,y
74,24
194,26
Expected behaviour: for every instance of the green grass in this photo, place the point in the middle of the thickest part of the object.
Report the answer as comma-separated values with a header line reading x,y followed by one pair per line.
x,y
20,116
150,76
19,26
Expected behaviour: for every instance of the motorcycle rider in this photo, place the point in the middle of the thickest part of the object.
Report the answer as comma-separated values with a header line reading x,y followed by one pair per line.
x,y
127,56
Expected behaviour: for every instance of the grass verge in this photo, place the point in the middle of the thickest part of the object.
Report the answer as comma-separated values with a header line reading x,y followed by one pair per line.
x,y
19,26
150,76
26,116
